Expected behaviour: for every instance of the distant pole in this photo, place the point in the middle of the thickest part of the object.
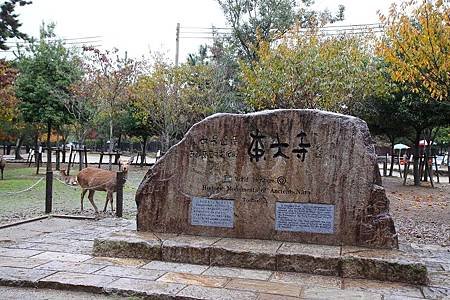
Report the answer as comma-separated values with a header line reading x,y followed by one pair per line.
x,y
120,180
48,191
80,159
85,157
70,159
49,174
58,158
177,48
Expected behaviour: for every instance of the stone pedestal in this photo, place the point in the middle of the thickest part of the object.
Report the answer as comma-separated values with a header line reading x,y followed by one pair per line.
x,y
340,261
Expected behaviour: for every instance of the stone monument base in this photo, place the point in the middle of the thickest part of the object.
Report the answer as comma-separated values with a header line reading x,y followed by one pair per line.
x,y
342,261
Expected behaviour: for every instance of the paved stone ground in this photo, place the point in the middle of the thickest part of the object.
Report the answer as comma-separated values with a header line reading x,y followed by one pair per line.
x,y
56,253
20,293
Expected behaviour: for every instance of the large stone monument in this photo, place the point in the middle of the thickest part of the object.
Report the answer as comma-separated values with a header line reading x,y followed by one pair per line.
x,y
291,175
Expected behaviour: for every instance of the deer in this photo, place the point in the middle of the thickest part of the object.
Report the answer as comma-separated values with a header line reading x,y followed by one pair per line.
x,y
68,179
2,164
94,179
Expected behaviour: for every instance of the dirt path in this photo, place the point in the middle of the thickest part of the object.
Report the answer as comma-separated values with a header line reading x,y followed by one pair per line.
x,y
421,214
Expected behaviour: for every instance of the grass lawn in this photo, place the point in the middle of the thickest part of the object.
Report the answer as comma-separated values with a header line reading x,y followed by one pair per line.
x,y
17,201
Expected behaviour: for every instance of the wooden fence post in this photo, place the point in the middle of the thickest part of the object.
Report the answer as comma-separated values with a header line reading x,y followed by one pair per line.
x,y
100,160
119,194
64,153
58,159
85,157
30,158
437,169
80,159
73,157
37,159
70,159
48,191
116,158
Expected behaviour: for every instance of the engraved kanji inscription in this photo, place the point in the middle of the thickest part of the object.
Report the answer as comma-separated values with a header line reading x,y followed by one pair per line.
x,y
279,147
301,150
256,149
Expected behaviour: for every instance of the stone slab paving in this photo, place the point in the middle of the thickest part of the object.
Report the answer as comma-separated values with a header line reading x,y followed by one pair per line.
x,y
193,279
21,293
64,266
176,267
238,273
26,262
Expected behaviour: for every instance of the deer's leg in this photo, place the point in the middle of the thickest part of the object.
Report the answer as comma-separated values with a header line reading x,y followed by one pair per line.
x,y
106,203
108,199
83,192
2,173
91,199
111,198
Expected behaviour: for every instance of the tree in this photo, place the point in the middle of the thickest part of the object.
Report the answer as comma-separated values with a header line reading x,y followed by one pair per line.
x,y
267,20
170,99
423,117
82,108
46,71
11,120
384,116
137,120
8,100
112,76
417,47
312,71
224,76
9,25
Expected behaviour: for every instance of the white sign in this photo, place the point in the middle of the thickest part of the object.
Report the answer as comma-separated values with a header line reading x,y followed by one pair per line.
x,y
212,212
304,217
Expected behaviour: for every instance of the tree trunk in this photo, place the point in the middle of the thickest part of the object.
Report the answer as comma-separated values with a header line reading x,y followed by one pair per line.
x,y
18,146
111,143
165,142
416,157
119,142
392,157
49,149
144,146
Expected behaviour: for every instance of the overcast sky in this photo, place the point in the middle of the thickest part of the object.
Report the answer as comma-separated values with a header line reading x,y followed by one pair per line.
x,y
141,26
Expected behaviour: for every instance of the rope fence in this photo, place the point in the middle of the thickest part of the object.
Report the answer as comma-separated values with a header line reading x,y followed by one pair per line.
x,y
25,195
24,190
66,184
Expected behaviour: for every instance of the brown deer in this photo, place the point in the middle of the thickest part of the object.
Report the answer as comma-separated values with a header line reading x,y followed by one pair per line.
x,y
93,179
2,164
68,179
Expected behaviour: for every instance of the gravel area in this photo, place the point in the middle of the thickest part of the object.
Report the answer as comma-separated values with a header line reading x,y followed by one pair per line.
x,y
421,214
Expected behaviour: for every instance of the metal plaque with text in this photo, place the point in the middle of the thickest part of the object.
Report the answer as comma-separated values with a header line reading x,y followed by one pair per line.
x,y
212,212
304,217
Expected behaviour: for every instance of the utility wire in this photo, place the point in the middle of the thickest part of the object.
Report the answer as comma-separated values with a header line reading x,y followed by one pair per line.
x,y
74,46
330,30
68,43
56,39
328,26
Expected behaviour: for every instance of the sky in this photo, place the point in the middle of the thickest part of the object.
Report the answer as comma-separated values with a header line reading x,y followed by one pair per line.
x,y
144,26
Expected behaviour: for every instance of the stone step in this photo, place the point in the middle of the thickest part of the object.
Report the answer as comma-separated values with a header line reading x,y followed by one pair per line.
x,y
342,261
